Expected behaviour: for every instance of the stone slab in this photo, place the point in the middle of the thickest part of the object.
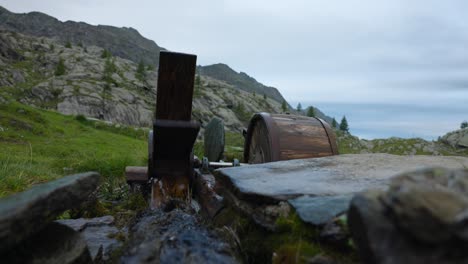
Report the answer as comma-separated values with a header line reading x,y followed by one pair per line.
x,y
319,210
99,234
214,139
340,175
26,213
56,243
334,175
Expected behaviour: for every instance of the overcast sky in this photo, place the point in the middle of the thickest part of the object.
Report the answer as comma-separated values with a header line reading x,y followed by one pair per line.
x,y
315,52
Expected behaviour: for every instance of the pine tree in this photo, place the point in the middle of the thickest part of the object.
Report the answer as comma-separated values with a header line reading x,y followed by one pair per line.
x,y
109,69
141,71
284,106
344,125
299,107
334,123
68,45
197,86
60,69
105,54
464,124
311,111
264,97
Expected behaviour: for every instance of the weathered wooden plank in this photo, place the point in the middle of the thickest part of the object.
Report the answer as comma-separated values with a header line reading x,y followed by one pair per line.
x,y
136,174
175,86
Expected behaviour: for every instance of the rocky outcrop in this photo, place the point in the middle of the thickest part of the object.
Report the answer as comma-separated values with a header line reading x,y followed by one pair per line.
x,y
123,98
421,218
457,138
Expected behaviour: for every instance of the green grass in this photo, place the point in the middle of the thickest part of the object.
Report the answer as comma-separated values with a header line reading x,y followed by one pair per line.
x,y
234,146
38,146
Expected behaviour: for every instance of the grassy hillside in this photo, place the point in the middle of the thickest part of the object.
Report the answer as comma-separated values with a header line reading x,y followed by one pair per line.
x,y
38,146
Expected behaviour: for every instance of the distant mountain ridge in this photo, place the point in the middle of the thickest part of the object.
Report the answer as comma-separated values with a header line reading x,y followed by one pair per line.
x,y
123,42
240,80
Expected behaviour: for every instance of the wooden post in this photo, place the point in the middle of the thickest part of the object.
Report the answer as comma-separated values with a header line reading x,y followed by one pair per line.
x,y
171,164
175,86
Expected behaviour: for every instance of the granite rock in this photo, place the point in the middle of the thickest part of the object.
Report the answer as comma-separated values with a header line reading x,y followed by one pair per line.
x,y
421,218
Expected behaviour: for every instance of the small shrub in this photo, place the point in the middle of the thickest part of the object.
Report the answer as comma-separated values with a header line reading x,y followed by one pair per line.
x,y
106,54
464,124
141,71
81,118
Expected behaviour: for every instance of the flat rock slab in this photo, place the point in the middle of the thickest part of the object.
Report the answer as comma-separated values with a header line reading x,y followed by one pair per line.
x,y
56,243
99,234
26,213
214,139
299,181
320,209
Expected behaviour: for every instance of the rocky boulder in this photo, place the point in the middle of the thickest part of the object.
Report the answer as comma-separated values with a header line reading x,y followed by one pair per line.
x,y
458,138
25,214
420,218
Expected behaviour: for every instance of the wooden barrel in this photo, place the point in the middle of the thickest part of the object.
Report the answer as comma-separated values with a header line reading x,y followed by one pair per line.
x,y
274,137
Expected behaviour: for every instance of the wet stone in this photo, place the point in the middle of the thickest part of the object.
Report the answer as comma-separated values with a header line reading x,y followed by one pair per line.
x,y
99,234
319,210
174,237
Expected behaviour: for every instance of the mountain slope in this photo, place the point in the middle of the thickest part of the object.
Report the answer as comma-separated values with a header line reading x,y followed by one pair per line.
x,y
30,61
107,88
124,42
